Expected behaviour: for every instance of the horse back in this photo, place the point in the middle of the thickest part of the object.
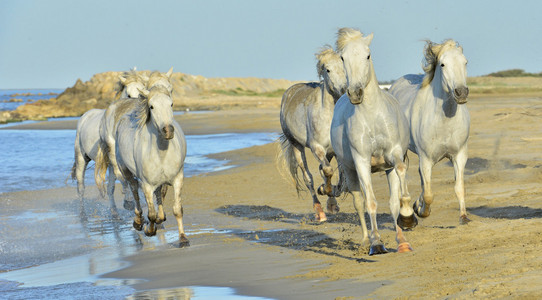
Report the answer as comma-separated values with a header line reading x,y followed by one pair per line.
x,y
404,90
293,112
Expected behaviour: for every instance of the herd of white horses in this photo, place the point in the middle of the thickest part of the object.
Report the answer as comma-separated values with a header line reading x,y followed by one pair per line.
x,y
346,115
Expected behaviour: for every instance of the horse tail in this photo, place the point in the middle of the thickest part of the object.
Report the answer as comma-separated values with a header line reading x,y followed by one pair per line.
x,y
100,168
286,160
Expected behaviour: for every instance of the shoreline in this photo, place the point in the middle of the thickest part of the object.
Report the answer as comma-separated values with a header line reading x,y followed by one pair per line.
x,y
269,245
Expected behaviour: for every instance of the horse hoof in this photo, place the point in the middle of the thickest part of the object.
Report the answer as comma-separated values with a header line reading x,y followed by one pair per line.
x,y
150,231
183,241
464,220
404,247
137,226
421,210
320,190
128,205
332,206
160,221
320,215
377,249
407,223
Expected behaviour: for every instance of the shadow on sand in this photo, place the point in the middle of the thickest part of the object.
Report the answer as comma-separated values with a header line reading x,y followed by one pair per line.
x,y
300,239
507,212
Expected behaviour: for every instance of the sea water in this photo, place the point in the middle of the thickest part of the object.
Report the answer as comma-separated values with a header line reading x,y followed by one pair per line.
x,y
11,99
84,248
42,159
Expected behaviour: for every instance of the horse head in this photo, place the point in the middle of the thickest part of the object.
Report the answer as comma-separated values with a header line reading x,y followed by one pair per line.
x,y
132,83
331,70
450,67
157,108
356,56
161,79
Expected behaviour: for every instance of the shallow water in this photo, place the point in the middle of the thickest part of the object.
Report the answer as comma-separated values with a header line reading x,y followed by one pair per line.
x,y
37,259
42,159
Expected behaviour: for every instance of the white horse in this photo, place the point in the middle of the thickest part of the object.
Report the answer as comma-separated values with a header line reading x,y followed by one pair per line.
x,y
157,78
132,83
369,133
87,139
434,104
305,117
151,148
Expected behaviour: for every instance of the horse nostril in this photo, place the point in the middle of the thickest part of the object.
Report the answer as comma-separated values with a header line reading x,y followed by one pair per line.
x,y
168,131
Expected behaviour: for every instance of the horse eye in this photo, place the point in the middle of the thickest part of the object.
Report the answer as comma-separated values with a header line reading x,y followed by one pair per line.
x,y
342,58
368,56
327,70
152,107
171,104
442,65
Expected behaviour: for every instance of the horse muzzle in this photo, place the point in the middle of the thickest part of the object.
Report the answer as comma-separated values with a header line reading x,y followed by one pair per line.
x,y
461,94
355,95
168,132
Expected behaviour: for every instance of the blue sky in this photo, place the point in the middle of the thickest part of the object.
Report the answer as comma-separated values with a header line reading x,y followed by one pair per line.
x,y
50,44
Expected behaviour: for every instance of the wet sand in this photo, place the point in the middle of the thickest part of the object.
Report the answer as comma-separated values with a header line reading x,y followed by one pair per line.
x,y
265,242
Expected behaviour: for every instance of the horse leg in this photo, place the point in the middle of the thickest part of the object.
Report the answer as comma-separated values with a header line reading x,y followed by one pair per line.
x,y
127,203
160,194
148,191
81,163
178,209
353,185
138,213
299,154
326,171
406,219
459,162
422,207
363,169
111,192
394,184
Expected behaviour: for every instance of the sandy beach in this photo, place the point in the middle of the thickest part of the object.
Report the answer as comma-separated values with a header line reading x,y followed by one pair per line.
x,y
265,242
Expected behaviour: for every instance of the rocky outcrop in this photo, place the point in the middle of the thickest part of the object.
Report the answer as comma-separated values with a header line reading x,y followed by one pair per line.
x,y
189,92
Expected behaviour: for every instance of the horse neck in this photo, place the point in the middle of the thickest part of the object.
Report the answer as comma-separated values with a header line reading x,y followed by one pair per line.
x,y
444,103
154,136
372,90
328,100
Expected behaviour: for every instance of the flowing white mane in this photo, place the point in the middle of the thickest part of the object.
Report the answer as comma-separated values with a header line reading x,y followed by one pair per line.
x,y
432,53
347,35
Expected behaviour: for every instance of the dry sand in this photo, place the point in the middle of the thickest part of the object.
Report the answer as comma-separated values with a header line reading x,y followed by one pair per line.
x,y
271,247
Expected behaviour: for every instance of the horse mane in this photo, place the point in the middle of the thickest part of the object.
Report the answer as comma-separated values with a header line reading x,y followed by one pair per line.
x,y
432,52
142,110
155,77
347,35
325,55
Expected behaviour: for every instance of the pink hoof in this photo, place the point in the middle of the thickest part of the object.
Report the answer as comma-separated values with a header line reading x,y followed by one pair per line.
x,y
404,247
320,215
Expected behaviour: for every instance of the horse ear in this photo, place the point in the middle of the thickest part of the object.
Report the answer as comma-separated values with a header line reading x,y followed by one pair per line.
x,y
168,74
144,92
122,79
369,38
134,68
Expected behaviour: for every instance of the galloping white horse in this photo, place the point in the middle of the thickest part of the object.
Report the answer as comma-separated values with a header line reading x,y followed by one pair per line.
x,y
369,133
151,148
305,117
434,104
87,140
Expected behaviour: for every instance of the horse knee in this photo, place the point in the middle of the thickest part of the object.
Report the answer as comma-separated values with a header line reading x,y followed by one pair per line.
x,y
327,170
